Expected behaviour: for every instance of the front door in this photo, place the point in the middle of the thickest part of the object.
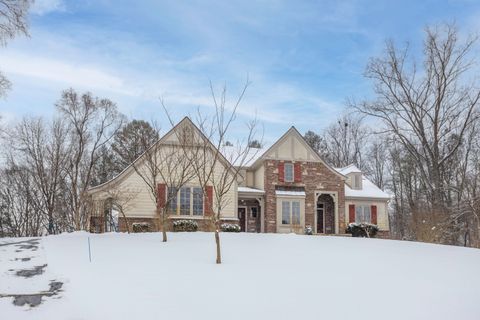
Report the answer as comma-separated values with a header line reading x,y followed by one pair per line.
x,y
242,215
320,217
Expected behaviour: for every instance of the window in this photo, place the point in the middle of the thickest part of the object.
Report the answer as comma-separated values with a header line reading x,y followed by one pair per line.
x,y
285,212
362,214
254,212
197,202
357,181
290,212
185,201
295,212
172,195
288,167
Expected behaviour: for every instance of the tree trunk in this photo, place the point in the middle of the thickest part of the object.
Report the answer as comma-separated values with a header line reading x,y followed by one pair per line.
x,y
217,242
164,226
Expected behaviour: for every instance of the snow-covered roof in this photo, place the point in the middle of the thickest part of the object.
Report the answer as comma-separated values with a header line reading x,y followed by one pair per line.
x,y
348,169
369,190
231,153
290,193
250,190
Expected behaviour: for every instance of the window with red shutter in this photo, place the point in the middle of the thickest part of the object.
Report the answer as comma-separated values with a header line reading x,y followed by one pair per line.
x,y
298,172
209,201
281,172
374,214
351,213
162,193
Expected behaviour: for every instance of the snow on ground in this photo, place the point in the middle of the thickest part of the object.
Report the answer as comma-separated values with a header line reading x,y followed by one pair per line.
x,y
264,276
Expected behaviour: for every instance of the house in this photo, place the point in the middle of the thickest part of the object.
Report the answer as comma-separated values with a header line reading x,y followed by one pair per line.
x,y
283,188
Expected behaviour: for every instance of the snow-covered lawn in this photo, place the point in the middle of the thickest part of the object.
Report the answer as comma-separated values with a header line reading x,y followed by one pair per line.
x,y
264,276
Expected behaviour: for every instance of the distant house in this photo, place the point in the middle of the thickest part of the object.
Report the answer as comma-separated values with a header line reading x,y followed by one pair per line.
x,y
283,188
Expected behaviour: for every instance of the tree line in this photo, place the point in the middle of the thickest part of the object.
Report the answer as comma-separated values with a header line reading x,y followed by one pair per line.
x,y
418,138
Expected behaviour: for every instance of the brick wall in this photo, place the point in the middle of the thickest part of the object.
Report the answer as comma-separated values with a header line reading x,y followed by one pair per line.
x,y
315,177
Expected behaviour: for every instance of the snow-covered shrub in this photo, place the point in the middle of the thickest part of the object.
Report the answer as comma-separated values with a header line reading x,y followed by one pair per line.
x,y
363,230
230,227
141,227
308,230
185,225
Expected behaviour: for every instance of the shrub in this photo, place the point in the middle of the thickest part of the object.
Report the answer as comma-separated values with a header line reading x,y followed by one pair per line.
x,y
185,225
308,230
230,227
363,230
141,227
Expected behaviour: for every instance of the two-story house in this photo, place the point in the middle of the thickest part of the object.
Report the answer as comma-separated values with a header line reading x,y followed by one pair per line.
x,y
283,188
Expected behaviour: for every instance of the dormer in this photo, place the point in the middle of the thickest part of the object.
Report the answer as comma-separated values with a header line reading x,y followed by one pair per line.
x,y
355,180
354,177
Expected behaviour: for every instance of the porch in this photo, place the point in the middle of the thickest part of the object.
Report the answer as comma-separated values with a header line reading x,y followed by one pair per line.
x,y
250,209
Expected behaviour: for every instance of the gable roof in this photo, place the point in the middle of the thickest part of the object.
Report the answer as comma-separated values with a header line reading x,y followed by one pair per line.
x,y
293,131
125,172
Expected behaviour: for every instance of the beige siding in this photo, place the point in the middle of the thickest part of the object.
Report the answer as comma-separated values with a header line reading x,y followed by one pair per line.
x,y
134,194
382,212
293,148
242,178
259,178
142,203
250,178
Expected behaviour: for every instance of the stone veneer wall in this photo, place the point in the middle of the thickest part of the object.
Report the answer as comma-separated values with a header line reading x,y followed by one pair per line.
x,y
315,177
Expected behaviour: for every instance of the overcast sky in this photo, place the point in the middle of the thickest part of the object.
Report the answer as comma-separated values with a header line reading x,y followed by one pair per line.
x,y
303,58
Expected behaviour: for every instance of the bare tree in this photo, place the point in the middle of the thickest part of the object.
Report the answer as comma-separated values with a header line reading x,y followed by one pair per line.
x,y
208,157
43,151
92,123
13,22
428,111
345,141
375,163
18,211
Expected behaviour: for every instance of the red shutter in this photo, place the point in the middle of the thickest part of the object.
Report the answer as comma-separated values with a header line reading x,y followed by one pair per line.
x,y
281,172
208,199
297,172
351,213
162,193
374,214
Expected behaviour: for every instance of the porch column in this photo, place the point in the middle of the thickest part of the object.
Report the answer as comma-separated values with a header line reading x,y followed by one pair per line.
x,y
261,203
335,203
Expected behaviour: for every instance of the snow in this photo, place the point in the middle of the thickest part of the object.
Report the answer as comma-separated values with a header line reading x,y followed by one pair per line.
x,y
231,153
351,168
263,276
369,190
290,193
249,190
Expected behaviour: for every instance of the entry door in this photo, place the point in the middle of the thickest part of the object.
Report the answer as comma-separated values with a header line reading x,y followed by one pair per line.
x,y
242,215
320,217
